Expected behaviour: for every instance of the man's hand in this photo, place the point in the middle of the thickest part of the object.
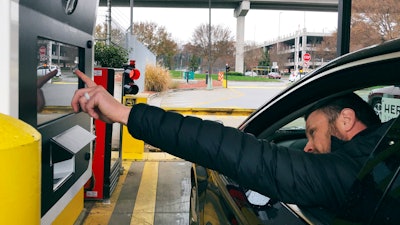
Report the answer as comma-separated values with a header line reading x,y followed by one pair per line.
x,y
98,103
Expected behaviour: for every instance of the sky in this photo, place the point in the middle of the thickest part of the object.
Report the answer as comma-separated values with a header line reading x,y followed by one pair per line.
x,y
260,25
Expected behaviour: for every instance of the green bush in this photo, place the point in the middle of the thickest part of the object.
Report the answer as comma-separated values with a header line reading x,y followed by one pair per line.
x,y
110,55
157,78
234,74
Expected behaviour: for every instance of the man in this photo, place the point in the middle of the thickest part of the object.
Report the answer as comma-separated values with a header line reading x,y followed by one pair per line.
x,y
288,175
337,118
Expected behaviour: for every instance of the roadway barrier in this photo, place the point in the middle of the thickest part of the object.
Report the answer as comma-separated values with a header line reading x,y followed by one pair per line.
x,y
20,168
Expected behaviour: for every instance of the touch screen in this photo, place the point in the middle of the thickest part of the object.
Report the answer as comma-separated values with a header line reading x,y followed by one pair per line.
x,y
56,83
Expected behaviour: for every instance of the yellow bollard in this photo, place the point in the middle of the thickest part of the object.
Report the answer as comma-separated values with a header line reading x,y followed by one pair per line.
x,y
20,165
132,148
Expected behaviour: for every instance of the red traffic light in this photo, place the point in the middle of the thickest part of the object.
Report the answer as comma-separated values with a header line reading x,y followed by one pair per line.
x,y
134,74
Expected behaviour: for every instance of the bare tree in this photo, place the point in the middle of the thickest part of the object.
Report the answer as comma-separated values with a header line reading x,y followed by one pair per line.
x,y
117,36
279,57
158,40
325,51
222,45
253,54
374,22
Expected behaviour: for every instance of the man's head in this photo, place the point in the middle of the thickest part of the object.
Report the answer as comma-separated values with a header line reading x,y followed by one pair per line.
x,y
342,117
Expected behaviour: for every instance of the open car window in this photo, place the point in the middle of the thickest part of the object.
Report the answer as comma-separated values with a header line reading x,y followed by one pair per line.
x,y
385,100
379,179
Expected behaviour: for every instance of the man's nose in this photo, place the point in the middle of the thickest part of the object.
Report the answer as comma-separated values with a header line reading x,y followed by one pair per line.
x,y
308,147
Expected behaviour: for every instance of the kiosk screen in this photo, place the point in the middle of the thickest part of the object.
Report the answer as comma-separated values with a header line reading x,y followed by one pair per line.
x,y
56,82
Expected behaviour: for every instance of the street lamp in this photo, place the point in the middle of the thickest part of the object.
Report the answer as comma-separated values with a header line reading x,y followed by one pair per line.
x,y
209,78
279,25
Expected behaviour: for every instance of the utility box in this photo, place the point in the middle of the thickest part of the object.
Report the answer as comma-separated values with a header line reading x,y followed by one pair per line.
x,y
107,165
188,75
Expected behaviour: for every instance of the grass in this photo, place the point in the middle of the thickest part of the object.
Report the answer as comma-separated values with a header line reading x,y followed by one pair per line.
x,y
201,76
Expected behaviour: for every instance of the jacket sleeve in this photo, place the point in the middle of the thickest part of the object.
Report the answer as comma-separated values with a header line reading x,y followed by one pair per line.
x,y
287,175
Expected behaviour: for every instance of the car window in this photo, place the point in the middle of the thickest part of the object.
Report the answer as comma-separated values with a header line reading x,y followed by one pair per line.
x,y
385,101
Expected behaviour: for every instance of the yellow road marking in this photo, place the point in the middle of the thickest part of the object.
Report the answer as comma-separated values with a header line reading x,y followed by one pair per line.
x,y
143,212
101,212
258,87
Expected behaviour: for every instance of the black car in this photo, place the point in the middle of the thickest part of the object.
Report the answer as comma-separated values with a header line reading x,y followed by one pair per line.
x,y
217,199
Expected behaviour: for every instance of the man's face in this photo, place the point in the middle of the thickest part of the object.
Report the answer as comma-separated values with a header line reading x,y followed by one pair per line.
x,y
318,131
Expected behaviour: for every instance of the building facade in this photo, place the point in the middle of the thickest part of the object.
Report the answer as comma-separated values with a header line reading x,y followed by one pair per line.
x,y
301,50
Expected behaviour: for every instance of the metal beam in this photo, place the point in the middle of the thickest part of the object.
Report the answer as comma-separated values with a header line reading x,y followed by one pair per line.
x,y
343,33
297,5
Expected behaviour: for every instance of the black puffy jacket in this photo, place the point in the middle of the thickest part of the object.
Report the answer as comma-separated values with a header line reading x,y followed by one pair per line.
x,y
288,175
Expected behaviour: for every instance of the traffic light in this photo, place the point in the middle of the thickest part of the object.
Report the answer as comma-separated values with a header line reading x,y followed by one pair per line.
x,y
227,68
130,74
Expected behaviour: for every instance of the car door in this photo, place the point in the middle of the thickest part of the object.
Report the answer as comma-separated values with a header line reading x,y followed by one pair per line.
x,y
375,195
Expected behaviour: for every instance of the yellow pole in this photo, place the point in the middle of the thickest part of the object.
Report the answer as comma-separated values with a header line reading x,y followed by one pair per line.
x,y
20,161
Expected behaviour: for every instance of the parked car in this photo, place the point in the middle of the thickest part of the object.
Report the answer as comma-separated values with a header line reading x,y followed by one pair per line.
x,y
44,69
296,75
250,73
293,76
374,198
274,75
376,95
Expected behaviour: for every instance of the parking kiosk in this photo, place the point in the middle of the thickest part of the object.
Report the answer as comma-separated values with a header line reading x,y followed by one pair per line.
x,y
58,34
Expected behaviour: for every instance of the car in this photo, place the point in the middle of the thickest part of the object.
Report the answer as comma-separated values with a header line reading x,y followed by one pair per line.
x,y
376,95
293,76
250,73
44,69
218,199
296,75
274,75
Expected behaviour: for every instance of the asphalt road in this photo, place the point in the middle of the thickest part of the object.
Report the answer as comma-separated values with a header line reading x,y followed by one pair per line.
x,y
247,95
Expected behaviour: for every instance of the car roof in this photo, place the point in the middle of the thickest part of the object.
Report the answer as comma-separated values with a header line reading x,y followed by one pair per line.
x,y
377,65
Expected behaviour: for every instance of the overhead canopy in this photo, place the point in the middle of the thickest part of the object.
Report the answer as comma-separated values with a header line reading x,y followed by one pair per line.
x,y
298,5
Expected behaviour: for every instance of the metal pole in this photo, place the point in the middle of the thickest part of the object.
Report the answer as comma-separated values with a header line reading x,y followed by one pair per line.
x,y
209,81
108,39
131,25
343,37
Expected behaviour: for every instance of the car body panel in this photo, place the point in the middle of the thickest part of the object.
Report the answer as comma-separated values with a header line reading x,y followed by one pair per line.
x,y
274,75
43,70
354,72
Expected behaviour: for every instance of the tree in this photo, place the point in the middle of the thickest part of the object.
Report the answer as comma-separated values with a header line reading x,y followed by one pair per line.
x,y
158,40
326,50
252,55
278,57
100,34
374,22
222,45
110,55
265,60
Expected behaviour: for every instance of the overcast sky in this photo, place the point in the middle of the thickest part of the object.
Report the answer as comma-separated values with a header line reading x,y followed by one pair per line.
x,y
260,25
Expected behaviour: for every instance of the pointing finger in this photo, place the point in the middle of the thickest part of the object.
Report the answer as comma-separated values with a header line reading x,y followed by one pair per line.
x,y
89,82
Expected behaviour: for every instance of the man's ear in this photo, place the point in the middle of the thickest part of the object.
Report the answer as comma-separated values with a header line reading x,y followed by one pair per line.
x,y
348,118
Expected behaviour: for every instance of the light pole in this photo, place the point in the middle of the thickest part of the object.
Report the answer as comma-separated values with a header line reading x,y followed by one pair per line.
x,y
279,25
209,80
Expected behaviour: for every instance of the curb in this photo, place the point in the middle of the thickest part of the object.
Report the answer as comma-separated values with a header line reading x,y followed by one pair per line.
x,y
210,111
